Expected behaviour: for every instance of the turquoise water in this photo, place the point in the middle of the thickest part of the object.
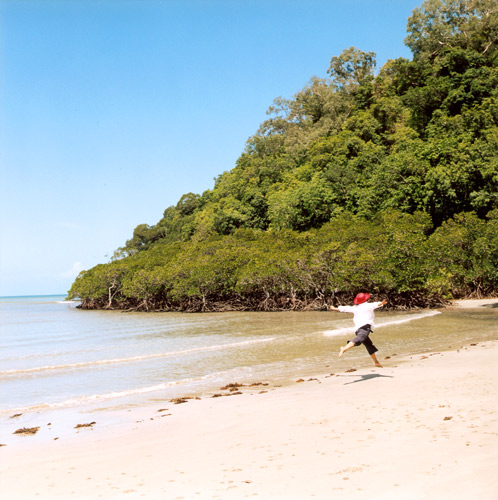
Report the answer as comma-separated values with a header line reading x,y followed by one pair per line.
x,y
55,356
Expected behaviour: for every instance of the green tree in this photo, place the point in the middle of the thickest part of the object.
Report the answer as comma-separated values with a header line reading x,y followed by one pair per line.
x,y
146,286
352,68
438,25
452,255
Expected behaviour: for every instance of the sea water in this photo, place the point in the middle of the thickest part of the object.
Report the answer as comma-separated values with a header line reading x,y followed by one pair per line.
x,y
55,356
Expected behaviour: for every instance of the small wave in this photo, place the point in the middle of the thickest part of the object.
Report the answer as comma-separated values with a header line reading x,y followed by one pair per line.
x,y
99,398
340,331
84,364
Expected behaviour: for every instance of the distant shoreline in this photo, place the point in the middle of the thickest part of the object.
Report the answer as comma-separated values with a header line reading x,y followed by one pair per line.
x,y
488,302
302,306
474,303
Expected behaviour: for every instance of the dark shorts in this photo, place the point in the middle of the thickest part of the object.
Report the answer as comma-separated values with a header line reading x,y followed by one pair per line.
x,y
362,337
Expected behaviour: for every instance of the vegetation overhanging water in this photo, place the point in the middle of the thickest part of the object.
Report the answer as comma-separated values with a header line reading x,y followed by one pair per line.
x,y
384,182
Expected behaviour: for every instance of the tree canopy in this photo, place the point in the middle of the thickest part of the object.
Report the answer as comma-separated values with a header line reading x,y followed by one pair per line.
x,y
383,181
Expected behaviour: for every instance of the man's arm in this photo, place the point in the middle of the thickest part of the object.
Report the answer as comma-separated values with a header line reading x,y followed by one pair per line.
x,y
343,309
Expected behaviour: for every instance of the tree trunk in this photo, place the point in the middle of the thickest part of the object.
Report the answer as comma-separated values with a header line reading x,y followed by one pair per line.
x,y
110,296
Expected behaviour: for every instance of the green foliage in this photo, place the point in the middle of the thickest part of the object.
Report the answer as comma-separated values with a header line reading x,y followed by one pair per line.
x,y
384,182
452,249
100,286
352,68
394,254
439,25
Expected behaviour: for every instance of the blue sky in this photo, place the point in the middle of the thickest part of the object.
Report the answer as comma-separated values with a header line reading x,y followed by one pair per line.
x,y
111,110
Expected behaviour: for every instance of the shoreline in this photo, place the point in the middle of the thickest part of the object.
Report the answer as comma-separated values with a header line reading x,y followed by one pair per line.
x,y
29,415
312,305
475,303
422,427
403,431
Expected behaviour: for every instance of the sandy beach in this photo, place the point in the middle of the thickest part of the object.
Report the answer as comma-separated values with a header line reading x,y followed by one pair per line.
x,y
476,303
421,427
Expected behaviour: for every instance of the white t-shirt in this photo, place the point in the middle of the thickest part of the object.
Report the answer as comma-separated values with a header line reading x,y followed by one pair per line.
x,y
363,313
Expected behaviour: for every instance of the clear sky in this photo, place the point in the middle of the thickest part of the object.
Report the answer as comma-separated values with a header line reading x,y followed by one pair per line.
x,y
111,110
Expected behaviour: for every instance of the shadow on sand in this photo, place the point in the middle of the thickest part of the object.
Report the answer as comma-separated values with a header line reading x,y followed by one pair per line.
x,y
494,305
364,378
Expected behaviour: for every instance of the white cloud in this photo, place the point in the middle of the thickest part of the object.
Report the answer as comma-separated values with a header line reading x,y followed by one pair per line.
x,y
73,272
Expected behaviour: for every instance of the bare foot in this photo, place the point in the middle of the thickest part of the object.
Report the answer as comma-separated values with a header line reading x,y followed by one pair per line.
x,y
378,365
341,352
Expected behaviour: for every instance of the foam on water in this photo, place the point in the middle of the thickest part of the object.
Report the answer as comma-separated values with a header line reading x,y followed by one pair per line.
x,y
99,398
379,324
133,359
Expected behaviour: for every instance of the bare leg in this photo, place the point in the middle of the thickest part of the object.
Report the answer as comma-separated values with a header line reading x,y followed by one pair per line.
x,y
349,345
375,360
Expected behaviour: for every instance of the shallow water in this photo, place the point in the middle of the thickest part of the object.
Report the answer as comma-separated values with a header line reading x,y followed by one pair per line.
x,y
54,356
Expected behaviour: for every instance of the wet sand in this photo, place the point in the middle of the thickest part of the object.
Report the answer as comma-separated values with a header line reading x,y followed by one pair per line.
x,y
423,427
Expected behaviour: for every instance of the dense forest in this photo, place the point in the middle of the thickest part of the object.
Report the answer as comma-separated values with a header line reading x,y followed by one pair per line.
x,y
382,181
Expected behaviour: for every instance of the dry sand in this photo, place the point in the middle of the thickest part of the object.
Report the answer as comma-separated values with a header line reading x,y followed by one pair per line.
x,y
476,303
425,427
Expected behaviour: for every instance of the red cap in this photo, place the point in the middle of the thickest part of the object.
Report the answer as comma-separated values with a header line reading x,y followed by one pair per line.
x,y
360,298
